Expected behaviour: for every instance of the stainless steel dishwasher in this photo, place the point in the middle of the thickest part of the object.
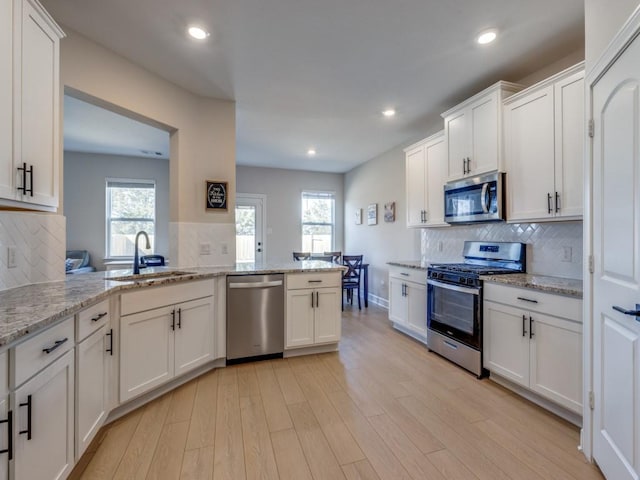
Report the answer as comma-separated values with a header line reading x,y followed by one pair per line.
x,y
255,316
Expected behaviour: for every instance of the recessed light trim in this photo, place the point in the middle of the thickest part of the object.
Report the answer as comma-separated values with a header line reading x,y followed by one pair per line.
x,y
198,33
486,37
389,112
311,152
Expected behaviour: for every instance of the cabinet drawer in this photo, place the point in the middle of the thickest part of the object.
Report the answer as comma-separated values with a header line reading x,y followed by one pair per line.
x,y
148,298
91,319
30,357
297,281
409,274
535,301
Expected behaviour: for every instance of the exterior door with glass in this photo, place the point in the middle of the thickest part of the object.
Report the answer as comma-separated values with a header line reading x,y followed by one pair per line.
x,y
250,247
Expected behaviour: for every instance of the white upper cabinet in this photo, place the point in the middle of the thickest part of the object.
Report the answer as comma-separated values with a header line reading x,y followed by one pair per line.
x,y
29,106
544,145
473,132
425,176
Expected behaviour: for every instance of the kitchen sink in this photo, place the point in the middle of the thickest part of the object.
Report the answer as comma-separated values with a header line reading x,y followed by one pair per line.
x,y
146,277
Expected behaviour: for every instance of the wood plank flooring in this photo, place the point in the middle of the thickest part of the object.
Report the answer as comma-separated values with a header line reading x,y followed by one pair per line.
x,y
381,408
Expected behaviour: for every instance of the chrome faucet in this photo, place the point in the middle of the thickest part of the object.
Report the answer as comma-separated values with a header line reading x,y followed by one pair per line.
x,y
136,266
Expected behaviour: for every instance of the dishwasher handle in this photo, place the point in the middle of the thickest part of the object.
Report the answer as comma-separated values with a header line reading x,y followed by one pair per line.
x,y
274,283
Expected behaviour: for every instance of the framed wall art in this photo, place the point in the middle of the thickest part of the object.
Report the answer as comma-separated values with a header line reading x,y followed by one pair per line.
x,y
358,216
372,214
390,212
217,195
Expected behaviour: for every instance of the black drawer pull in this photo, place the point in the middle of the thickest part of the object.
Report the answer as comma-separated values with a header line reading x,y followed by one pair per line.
x,y
531,334
56,345
179,318
404,274
524,328
314,281
29,405
99,316
9,422
527,300
110,349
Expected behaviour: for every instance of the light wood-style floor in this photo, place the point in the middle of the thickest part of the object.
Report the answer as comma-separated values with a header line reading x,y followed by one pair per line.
x,y
381,408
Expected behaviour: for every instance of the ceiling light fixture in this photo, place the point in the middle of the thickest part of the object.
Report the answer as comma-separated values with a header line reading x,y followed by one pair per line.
x,y
198,33
389,112
311,152
487,36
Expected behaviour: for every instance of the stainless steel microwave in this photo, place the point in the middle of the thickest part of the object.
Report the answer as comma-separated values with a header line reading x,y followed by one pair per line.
x,y
476,199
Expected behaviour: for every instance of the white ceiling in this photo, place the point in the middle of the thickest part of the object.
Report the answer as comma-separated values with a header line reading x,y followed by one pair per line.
x,y
317,73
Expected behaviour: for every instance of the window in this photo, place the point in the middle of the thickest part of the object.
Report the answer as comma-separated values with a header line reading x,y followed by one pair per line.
x,y
131,207
318,221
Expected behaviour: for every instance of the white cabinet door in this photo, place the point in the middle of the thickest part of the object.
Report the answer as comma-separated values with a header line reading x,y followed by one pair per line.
x,y
416,297
398,307
556,360
570,137
484,148
49,396
327,317
529,152
436,172
506,342
146,351
7,173
416,186
91,388
37,135
457,143
300,318
193,335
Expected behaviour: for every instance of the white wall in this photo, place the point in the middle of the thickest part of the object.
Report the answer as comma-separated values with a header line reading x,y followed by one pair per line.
x,y
283,189
84,192
603,19
380,180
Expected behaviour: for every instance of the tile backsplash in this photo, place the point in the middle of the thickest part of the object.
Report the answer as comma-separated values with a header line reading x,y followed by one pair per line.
x,y
202,244
39,242
548,244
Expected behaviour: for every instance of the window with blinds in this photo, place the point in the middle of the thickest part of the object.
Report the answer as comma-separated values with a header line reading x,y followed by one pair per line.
x,y
318,221
131,207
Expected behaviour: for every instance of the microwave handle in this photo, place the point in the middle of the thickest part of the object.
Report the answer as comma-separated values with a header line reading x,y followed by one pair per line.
x,y
483,198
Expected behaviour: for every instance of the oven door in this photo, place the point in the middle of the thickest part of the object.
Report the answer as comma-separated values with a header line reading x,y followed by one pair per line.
x,y
455,311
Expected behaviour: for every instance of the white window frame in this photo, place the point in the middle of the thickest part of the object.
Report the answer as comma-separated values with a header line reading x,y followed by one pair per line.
x,y
122,181
319,194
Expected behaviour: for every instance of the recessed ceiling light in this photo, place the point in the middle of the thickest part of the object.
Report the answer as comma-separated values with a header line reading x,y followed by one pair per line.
x,y
198,33
487,36
311,152
389,112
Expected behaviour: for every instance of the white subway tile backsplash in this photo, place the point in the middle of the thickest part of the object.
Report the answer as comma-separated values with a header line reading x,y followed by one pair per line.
x,y
185,240
545,244
40,248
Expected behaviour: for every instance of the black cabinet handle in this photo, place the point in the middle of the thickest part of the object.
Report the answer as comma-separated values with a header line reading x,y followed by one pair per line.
x,y
179,318
524,328
317,299
110,349
527,300
464,167
404,274
24,171
531,334
549,203
468,165
633,313
173,319
557,202
29,405
311,299
56,345
314,281
9,422
99,316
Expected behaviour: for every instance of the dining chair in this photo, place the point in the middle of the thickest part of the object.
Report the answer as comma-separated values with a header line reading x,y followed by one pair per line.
x,y
335,256
301,256
351,278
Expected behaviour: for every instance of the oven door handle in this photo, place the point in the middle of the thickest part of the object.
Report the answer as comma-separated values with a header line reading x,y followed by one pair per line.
x,y
448,286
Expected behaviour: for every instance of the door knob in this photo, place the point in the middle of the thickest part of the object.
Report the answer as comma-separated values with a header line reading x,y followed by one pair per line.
x,y
633,313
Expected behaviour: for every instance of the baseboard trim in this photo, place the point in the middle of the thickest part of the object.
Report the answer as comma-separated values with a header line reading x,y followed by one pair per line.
x,y
296,352
381,302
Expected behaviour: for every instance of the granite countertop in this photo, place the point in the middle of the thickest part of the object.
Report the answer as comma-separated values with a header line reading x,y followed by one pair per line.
x,y
561,286
26,309
417,264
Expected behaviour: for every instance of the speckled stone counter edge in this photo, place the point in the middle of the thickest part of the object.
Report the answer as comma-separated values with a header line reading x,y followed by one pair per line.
x,y
560,286
415,264
27,309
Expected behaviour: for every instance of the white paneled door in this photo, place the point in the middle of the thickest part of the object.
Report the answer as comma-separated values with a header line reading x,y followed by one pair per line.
x,y
616,278
250,211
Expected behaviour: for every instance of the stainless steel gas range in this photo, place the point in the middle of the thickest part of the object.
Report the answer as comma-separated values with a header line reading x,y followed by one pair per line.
x,y
454,299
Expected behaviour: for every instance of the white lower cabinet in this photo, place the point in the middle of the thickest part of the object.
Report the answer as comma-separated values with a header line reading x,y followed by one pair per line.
x,y
43,423
313,314
408,301
5,424
161,343
527,344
